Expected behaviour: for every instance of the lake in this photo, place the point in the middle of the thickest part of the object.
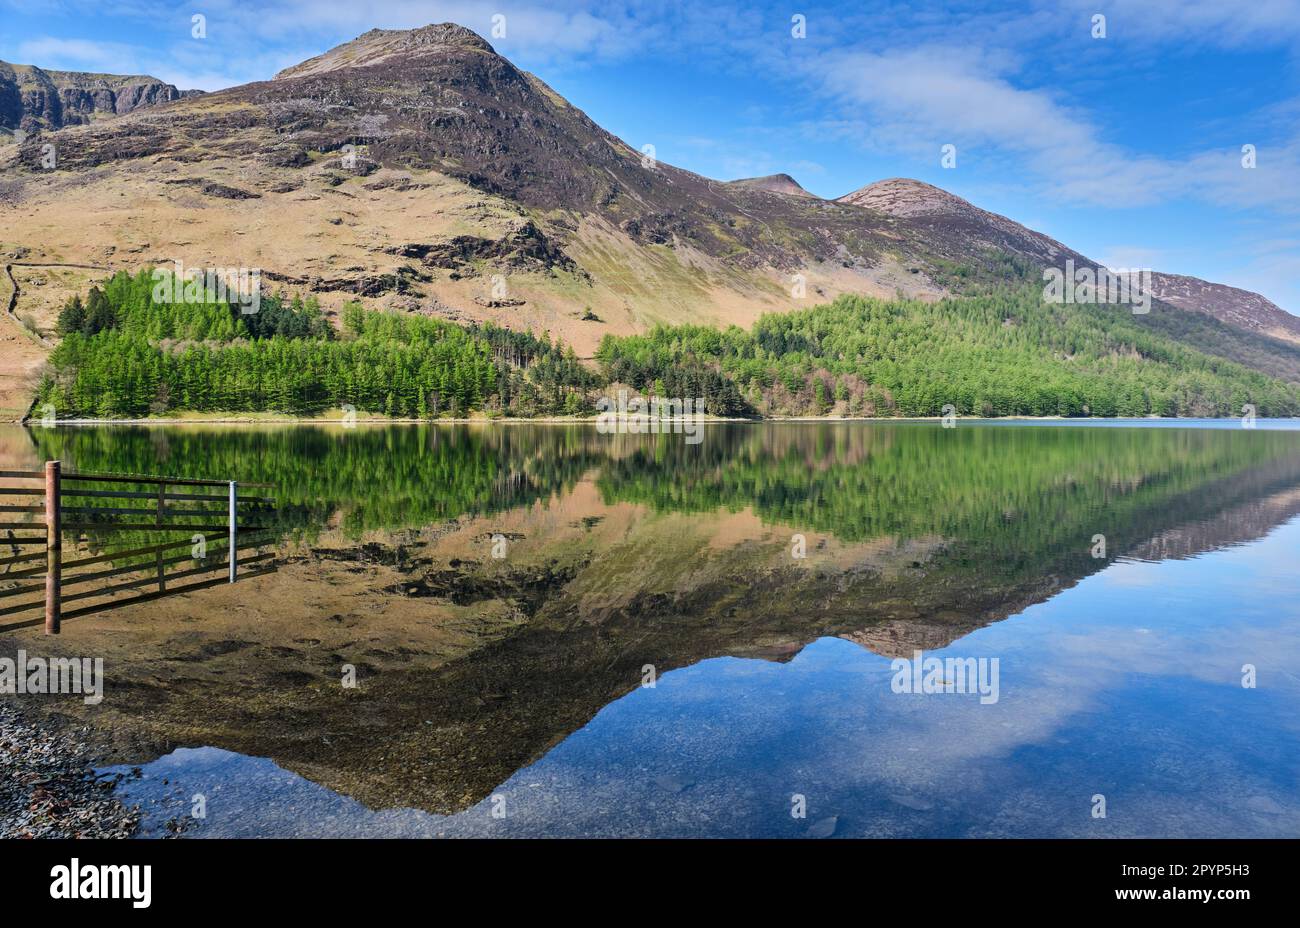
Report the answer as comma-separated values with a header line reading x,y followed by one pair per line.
x,y
557,632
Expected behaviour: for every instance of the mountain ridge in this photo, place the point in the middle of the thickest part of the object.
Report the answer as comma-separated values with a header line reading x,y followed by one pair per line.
x,y
34,98
907,198
419,170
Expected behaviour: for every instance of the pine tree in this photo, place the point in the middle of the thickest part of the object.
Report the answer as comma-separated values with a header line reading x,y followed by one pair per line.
x,y
72,318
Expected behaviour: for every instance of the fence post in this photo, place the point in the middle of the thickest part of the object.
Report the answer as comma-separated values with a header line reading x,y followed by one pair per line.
x,y
53,549
233,532
158,555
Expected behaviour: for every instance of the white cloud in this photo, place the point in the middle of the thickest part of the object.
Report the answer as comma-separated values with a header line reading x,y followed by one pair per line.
x,y
61,54
547,33
542,30
1207,22
920,99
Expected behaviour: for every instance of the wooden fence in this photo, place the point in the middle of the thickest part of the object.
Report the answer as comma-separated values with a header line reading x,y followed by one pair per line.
x,y
96,511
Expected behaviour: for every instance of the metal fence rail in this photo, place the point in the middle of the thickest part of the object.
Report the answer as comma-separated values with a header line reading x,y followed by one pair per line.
x,y
216,523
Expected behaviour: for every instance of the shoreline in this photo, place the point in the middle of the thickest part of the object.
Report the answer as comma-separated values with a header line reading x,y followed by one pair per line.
x,y
234,419
50,788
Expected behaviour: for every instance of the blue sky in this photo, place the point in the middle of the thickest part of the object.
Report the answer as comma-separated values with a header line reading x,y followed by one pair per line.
x,y
1127,147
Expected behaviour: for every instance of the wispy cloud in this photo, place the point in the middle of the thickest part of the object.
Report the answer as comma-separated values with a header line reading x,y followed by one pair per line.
x,y
78,55
1207,22
919,99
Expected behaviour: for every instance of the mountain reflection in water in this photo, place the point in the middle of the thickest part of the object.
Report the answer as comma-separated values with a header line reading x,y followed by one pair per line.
x,y
521,678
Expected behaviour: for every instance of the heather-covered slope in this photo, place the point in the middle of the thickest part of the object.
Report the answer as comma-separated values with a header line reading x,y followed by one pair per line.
x,y
953,225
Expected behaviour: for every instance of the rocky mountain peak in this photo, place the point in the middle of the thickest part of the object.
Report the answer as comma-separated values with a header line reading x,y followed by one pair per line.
x,y
380,45
903,196
774,183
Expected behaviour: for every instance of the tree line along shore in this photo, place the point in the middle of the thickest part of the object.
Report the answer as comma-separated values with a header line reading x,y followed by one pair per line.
x,y
125,354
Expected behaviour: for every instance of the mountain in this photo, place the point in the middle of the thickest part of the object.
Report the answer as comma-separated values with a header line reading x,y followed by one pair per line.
x,y
32,98
421,171
939,215
1240,308
773,183
953,226
410,168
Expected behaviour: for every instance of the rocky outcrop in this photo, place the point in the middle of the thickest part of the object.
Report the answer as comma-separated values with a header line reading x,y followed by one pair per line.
x,y
213,189
380,45
33,98
524,248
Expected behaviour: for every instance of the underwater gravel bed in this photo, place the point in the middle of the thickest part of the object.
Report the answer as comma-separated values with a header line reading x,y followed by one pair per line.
x,y
48,788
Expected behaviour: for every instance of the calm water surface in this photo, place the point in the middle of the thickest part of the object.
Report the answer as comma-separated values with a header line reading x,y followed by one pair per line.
x,y
1119,676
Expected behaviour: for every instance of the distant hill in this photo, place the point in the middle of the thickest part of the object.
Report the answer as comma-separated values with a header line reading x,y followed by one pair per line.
x,y
773,183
